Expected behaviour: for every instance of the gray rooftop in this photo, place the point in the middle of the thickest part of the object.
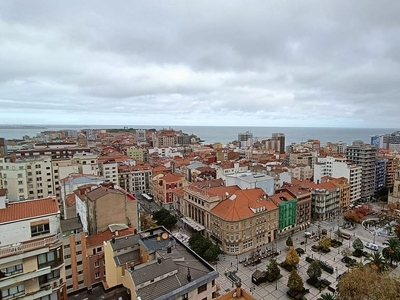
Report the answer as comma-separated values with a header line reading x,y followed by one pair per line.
x,y
125,242
127,257
71,225
157,242
153,270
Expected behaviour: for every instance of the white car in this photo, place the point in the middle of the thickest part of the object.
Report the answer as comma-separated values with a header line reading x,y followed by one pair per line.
x,y
372,246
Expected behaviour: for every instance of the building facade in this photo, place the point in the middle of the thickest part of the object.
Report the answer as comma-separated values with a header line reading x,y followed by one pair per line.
x,y
31,256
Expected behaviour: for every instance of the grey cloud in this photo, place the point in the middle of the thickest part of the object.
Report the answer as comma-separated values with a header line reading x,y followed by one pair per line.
x,y
266,60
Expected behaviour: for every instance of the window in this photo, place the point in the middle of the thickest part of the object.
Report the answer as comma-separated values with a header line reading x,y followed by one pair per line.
x,y
19,175
96,264
50,297
40,229
97,275
16,269
53,259
48,277
13,292
202,288
20,190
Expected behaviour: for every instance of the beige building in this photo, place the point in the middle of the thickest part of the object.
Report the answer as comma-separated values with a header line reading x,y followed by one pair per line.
x,y
245,220
94,204
135,179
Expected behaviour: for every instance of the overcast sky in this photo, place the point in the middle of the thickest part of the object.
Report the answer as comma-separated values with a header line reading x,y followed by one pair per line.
x,y
244,63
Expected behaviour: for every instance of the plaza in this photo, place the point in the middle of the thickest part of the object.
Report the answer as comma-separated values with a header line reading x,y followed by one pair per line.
x,y
278,289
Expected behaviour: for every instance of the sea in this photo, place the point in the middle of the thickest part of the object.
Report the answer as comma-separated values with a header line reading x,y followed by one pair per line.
x,y
224,134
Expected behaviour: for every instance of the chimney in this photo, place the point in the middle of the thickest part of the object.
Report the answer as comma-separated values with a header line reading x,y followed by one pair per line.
x,y
113,240
189,277
116,233
169,249
159,260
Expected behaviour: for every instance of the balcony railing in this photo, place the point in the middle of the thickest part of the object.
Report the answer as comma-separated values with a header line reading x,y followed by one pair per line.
x,y
29,246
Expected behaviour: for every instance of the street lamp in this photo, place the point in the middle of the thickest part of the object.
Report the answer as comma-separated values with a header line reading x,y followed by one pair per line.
x,y
374,236
330,233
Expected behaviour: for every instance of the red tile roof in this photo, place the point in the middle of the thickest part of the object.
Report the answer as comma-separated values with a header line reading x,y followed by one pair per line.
x,y
238,206
98,239
29,209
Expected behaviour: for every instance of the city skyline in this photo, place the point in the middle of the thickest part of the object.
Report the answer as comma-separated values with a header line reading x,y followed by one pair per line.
x,y
226,63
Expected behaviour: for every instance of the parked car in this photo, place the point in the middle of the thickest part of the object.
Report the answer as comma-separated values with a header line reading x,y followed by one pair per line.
x,y
372,246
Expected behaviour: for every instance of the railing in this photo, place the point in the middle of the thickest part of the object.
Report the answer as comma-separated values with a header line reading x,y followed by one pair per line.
x,y
21,248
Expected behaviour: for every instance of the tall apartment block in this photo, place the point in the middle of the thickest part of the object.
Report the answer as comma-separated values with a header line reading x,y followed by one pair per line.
x,y
245,139
3,147
140,135
280,142
31,253
364,155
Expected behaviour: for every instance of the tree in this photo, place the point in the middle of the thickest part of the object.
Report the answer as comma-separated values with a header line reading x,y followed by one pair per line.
x,y
146,222
164,218
377,261
392,251
358,245
314,270
289,242
365,283
204,247
160,215
325,243
273,270
295,282
327,296
346,252
292,257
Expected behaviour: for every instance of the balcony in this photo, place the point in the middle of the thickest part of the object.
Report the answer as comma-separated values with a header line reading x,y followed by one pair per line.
x,y
14,279
19,248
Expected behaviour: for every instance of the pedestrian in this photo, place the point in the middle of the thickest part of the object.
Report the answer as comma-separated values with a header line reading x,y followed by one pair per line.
x,y
231,264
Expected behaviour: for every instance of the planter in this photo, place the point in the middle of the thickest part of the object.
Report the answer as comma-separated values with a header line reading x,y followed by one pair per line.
x,y
287,267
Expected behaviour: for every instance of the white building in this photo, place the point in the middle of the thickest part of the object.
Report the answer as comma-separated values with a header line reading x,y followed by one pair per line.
x,y
338,167
31,256
252,181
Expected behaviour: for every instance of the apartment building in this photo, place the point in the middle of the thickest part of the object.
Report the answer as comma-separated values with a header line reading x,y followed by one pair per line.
x,y
228,168
95,273
344,189
68,185
364,155
27,178
153,265
287,207
164,138
52,151
244,221
394,196
163,187
75,254
31,253
109,169
325,199
337,167
251,180
94,204
135,179
138,153
303,196
300,171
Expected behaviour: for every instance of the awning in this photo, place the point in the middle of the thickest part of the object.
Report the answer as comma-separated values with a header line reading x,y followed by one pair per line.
x,y
192,223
